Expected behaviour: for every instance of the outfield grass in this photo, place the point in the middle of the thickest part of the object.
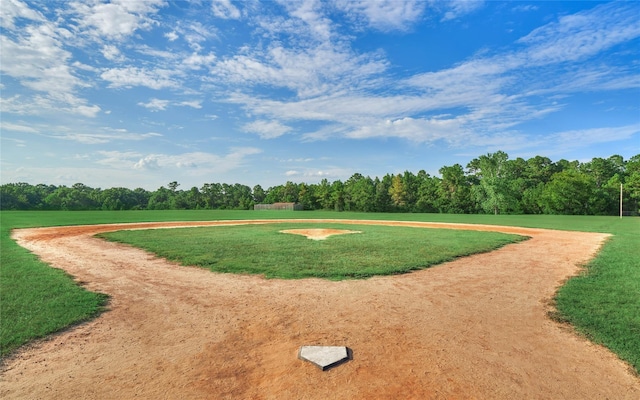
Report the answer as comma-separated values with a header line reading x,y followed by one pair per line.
x,y
262,249
603,303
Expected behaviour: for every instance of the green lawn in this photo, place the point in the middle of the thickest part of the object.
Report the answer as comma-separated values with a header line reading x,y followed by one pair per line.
x,y
603,303
262,249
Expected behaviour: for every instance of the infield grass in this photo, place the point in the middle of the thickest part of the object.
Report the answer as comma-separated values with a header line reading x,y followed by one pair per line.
x,y
603,303
262,249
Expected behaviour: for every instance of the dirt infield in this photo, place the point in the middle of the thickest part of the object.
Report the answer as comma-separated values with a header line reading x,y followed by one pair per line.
x,y
473,328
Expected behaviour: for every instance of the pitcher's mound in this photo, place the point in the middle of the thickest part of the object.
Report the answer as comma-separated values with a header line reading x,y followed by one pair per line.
x,y
318,234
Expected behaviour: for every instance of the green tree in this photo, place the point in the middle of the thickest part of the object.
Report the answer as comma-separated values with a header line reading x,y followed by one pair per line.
x,y
382,198
211,195
568,192
492,191
258,194
118,198
306,196
323,195
160,199
631,189
337,195
454,194
290,192
427,199
398,193
359,193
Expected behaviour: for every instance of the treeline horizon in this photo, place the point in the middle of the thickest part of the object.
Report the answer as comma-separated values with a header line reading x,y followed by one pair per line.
x,y
491,184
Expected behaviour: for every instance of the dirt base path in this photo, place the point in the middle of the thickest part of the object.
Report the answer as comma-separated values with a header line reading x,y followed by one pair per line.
x,y
473,328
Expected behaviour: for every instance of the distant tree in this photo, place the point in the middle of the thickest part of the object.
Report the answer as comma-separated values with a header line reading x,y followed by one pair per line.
x,y
211,195
306,196
290,192
427,200
398,193
631,190
337,195
275,194
359,193
454,195
323,195
492,191
173,186
382,198
118,198
258,194
160,199
568,192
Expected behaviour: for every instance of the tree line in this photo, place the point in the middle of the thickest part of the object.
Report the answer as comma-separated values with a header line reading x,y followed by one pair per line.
x,y
491,183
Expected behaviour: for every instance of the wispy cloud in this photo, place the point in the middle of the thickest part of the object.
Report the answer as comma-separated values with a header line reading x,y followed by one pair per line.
x,y
224,9
134,76
386,15
117,19
161,105
8,126
155,105
584,137
266,129
457,8
200,163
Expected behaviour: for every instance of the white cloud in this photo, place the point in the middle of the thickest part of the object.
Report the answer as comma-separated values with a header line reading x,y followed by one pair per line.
x,y
171,36
10,10
134,76
116,19
99,135
191,103
201,162
316,26
36,57
112,53
155,105
161,105
585,137
416,130
195,61
87,111
308,72
581,35
267,129
148,162
385,15
45,105
458,8
224,9
17,127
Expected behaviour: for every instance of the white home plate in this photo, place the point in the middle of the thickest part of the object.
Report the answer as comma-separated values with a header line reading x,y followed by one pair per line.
x,y
324,356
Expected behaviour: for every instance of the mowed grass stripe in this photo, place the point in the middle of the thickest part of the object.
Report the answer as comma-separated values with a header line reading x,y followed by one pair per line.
x,y
262,249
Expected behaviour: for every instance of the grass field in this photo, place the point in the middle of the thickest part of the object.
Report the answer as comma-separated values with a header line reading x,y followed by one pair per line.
x,y
262,249
603,303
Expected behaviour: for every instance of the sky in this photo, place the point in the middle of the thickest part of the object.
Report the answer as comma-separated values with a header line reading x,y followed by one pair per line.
x,y
132,93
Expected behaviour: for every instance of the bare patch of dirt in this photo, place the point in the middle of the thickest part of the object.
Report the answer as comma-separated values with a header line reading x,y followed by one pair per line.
x,y
318,234
472,328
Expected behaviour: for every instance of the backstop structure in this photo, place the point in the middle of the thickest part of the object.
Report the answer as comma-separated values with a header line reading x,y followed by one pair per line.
x,y
279,206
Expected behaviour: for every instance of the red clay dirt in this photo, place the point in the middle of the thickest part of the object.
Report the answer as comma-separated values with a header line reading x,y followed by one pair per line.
x,y
473,328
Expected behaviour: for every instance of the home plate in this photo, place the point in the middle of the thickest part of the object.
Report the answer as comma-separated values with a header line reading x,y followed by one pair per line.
x,y
324,357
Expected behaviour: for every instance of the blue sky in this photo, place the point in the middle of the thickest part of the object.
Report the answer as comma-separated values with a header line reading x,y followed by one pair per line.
x,y
138,94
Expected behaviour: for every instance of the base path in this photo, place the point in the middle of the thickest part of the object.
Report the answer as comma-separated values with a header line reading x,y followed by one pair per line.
x,y
473,328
